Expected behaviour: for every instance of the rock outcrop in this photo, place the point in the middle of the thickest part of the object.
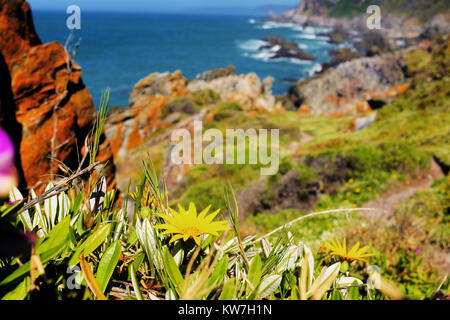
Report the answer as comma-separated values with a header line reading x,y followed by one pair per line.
x,y
245,89
49,99
154,98
439,24
163,102
337,35
340,56
217,73
158,84
350,87
128,128
285,49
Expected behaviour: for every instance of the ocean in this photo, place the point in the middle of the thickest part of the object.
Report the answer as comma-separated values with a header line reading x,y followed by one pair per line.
x,y
118,49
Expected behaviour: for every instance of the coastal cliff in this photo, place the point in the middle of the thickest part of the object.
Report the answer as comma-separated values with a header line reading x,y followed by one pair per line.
x,y
47,98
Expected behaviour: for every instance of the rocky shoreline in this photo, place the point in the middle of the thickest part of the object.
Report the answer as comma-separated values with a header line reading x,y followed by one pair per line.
x,y
285,49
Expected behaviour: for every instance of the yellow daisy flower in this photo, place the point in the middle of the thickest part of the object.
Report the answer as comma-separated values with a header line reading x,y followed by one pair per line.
x,y
355,253
185,224
147,200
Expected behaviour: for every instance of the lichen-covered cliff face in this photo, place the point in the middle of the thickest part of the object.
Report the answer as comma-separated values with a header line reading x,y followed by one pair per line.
x,y
48,100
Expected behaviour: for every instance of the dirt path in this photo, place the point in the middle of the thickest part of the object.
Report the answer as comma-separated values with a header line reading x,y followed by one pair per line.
x,y
389,200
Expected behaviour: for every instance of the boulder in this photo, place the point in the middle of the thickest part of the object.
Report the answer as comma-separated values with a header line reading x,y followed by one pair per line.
x,y
363,122
337,35
349,87
373,43
217,73
245,89
439,24
340,56
158,84
51,103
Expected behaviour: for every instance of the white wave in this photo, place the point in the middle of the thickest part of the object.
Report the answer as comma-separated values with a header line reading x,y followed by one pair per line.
x,y
275,25
317,67
252,21
310,30
263,55
294,60
311,36
251,45
275,48
303,46
322,29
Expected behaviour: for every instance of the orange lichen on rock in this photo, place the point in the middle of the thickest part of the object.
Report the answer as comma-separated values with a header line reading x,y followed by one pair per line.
x,y
362,106
335,114
352,125
52,103
401,88
210,116
304,109
397,90
178,85
241,98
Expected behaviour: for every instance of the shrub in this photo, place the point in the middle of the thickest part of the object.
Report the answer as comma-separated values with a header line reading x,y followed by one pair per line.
x,y
205,97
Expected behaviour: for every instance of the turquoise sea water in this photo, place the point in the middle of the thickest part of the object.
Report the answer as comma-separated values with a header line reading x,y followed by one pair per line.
x,y
119,49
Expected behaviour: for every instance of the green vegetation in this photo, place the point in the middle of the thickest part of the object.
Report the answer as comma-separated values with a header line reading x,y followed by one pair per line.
x,y
347,169
205,97
423,10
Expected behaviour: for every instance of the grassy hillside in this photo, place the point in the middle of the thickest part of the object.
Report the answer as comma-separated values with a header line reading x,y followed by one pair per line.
x,y
421,9
326,166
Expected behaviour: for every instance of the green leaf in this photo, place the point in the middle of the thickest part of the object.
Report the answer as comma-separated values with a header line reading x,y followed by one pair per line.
x,y
295,293
51,207
227,290
135,283
353,293
269,285
57,237
11,209
91,243
47,248
77,203
39,216
20,292
132,239
172,271
219,272
138,260
255,272
107,264
15,195
336,295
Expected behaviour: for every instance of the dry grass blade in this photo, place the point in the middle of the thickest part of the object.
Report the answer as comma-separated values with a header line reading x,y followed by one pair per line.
x,y
63,185
233,210
308,216
90,278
